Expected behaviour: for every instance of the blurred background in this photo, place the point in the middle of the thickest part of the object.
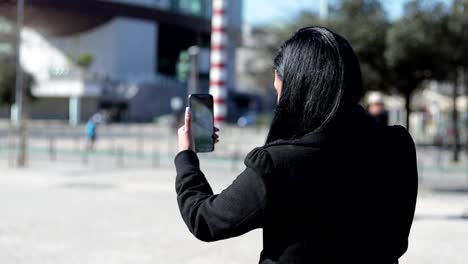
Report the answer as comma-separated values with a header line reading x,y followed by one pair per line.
x,y
92,92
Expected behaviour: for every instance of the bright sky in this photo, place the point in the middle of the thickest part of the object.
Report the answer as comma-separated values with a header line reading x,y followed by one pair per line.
x,y
265,11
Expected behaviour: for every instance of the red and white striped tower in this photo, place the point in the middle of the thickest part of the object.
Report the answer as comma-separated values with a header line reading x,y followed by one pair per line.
x,y
218,72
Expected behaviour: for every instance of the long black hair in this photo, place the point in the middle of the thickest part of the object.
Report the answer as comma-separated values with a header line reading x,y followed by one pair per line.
x,y
321,80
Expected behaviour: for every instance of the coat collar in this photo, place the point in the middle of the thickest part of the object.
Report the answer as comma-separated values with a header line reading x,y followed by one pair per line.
x,y
352,125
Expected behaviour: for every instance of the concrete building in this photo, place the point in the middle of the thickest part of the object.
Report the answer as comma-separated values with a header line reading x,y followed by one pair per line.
x,y
254,60
254,72
120,55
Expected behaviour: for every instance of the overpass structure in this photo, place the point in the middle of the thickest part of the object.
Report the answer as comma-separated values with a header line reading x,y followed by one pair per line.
x,y
59,17
129,41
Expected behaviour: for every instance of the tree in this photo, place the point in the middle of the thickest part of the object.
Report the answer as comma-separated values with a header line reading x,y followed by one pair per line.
x,y
362,22
8,83
7,96
365,25
412,54
453,45
462,18
8,67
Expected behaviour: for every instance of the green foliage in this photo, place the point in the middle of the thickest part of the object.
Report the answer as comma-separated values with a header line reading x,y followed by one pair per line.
x,y
455,39
412,53
85,60
428,42
183,66
363,23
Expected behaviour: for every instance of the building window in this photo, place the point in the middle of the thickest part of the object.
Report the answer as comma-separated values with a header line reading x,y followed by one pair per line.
x,y
200,8
5,26
7,37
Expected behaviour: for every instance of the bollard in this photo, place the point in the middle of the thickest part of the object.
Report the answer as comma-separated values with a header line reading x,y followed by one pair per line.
x,y
439,156
169,144
52,154
85,152
156,158
111,145
235,158
420,171
120,157
85,156
77,144
140,144
11,147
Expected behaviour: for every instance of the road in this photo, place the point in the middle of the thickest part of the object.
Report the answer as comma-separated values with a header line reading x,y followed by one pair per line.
x,y
69,213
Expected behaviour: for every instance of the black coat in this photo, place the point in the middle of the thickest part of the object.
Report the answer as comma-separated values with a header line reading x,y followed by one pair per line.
x,y
343,196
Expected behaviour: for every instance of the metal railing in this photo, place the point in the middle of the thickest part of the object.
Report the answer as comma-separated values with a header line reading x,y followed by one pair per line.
x,y
124,146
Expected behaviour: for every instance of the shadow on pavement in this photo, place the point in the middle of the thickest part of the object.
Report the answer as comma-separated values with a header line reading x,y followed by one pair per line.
x,y
463,217
455,190
91,186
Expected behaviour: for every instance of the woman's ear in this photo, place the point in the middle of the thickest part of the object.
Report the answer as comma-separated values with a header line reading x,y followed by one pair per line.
x,y
278,83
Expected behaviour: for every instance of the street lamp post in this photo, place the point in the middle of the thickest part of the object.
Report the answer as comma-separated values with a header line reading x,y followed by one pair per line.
x,y
194,52
19,71
19,89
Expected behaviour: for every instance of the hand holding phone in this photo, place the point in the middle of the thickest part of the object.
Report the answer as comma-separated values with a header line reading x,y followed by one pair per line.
x,y
202,120
185,134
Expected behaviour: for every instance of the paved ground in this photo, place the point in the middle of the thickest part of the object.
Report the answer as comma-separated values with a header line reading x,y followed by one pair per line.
x,y
95,214
122,208
440,231
76,215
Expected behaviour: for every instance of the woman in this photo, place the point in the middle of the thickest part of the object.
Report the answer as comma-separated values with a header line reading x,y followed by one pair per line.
x,y
329,186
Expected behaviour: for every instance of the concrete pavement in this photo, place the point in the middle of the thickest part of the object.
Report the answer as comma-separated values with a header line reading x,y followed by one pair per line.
x,y
98,214
122,209
74,215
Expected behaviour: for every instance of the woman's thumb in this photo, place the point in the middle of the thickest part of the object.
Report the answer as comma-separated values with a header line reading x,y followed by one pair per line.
x,y
188,119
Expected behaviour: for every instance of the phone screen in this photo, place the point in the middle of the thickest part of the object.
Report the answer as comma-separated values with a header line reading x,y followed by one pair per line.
x,y
201,106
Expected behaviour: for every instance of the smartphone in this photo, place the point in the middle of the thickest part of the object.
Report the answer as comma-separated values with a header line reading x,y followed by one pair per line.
x,y
201,106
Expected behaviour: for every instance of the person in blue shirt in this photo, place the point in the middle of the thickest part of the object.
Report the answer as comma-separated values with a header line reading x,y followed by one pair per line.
x,y
91,129
91,134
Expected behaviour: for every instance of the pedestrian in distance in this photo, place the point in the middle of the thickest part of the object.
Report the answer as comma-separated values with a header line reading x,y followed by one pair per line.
x,y
330,185
376,108
91,134
91,130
